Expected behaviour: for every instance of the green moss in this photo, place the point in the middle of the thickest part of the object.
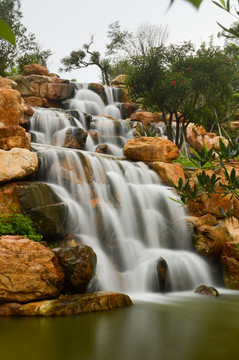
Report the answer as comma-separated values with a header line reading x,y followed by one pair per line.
x,y
18,224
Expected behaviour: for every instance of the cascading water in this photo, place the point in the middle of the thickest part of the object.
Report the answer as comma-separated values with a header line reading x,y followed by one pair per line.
x,y
118,208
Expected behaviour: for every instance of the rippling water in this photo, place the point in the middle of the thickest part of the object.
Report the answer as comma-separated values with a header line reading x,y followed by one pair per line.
x,y
174,327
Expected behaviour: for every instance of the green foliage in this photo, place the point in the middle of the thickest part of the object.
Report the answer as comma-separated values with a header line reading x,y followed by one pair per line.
x,y
7,33
18,224
229,152
204,160
232,185
233,31
26,48
185,191
195,3
144,130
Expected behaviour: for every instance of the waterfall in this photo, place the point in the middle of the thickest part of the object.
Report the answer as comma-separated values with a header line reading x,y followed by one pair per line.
x,y
118,208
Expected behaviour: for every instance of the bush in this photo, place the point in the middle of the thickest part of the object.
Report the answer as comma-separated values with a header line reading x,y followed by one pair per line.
x,y
18,224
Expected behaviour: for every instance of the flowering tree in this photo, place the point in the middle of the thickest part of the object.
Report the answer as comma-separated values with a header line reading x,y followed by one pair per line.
x,y
184,84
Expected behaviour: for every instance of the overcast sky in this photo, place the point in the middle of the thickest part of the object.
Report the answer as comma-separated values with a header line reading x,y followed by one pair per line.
x,y
63,26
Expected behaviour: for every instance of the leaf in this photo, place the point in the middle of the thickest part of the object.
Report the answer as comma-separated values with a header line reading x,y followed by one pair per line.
x,y
195,3
7,33
218,5
177,201
222,211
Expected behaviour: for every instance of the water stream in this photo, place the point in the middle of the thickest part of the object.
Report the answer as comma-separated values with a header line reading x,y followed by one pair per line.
x,y
118,208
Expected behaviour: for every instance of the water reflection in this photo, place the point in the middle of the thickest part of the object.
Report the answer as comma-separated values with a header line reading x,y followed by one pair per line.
x,y
181,328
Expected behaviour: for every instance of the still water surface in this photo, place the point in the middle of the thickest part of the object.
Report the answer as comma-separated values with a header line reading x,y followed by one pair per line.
x,y
175,327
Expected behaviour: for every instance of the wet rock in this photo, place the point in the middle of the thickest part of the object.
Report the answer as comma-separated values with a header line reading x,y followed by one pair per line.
x,y
36,69
209,235
230,263
74,138
40,203
14,137
145,117
151,149
17,164
79,265
162,274
11,109
168,171
127,109
206,290
99,90
68,305
28,270
102,149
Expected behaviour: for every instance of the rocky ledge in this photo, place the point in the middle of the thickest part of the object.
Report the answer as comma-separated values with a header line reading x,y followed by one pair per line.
x,y
67,305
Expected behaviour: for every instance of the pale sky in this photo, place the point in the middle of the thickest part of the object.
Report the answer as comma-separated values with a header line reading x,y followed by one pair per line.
x,y
64,26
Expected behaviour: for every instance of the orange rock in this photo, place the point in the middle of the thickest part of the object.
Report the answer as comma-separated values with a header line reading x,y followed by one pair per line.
x,y
151,149
28,270
230,262
168,171
4,83
14,137
145,117
35,69
11,110
36,101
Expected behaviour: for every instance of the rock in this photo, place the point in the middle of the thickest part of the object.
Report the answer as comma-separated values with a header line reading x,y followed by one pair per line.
x,y
28,270
69,305
206,290
210,205
4,83
14,137
215,142
74,138
79,265
11,109
40,203
145,117
17,164
209,238
28,110
162,274
168,171
36,69
102,149
119,80
230,263
127,109
99,90
151,149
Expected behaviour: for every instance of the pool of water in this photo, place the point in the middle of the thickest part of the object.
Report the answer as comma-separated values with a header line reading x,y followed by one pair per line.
x,y
173,327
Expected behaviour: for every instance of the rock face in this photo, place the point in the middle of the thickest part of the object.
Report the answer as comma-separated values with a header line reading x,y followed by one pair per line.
x,y
230,262
145,117
35,69
28,271
68,305
40,203
17,164
150,149
166,172
209,238
79,265
75,138
11,109
14,137
206,290
41,90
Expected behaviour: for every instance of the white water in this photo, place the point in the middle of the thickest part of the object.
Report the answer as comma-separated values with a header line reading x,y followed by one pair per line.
x,y
125,215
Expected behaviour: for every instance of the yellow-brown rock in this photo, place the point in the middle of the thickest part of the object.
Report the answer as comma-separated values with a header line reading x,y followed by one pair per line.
x,y
4,83
11,109
230,262
208,237
14,137
145,117
119,80
17,164
168,171
68,305
35,69
28,270
151,149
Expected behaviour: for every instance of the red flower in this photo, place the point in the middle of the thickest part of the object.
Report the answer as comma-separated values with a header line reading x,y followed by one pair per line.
x,y
173,83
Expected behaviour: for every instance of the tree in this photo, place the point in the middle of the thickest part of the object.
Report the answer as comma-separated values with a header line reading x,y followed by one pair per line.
x,y
184,84
26,48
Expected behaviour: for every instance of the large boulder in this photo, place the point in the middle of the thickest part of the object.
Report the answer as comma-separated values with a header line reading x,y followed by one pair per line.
x,y
40,203
28,270
36,69
150,149
17,164
209,235
11,109
79,265
68,305
230,262
14,137
119,80
168,171
146,117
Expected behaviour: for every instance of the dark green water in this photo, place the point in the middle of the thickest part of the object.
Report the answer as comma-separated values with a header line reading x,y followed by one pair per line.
x,y
176,328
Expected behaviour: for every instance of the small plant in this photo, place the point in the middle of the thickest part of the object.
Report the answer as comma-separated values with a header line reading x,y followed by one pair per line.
x,y
229,152
185,191
232,185
207,183
146,130
18,224
205,160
